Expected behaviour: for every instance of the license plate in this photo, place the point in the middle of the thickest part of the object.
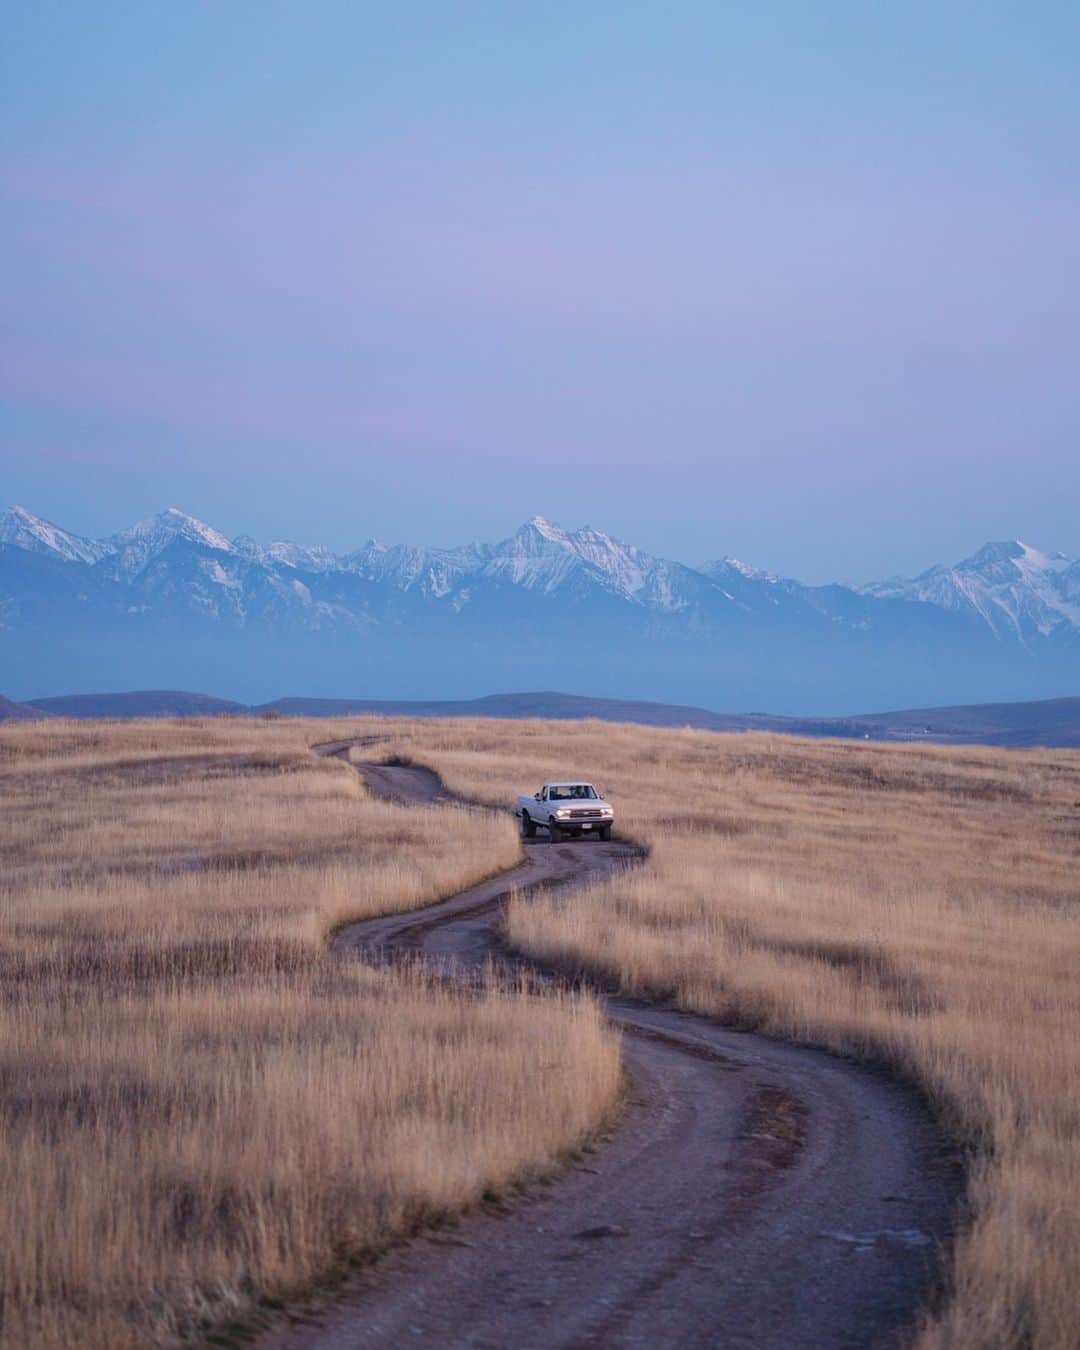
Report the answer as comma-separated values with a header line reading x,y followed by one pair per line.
x,y
586,827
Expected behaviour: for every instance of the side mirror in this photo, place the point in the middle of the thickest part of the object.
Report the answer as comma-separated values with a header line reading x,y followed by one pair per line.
x,y
536,795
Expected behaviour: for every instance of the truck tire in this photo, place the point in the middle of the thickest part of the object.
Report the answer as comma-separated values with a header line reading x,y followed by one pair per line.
x,y
528,826
555,832
605,833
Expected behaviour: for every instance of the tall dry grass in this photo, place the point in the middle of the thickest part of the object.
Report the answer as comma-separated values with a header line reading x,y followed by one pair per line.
x,y
199,1106
916,904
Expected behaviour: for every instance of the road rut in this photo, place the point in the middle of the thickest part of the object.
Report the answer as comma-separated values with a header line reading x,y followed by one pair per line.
x,y
754,1193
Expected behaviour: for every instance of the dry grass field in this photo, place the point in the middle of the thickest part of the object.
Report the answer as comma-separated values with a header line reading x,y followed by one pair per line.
x,y
918,905
200,1106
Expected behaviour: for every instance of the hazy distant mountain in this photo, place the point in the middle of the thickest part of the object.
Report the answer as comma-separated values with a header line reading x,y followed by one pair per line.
x,y
173,601
1016,590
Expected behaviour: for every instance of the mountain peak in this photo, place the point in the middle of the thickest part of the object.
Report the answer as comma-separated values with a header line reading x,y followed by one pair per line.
x,y
580,540
1015,551
732,572
544,556
1018,591
546,529
17,519
22,529
132,550
748,570
996,551
173,522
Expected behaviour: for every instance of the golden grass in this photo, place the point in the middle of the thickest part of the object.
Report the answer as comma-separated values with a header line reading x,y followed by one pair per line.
x,y
915,904
201,1107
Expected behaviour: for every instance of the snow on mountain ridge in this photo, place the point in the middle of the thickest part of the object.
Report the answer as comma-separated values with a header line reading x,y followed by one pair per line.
x,y
132,550
1019,592
170,523
1015,589
433,572
22,529
539,556
726,564
1013,551
544,557
301,557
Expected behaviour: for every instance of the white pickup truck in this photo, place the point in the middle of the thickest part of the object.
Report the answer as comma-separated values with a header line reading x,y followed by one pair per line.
x,y
566,810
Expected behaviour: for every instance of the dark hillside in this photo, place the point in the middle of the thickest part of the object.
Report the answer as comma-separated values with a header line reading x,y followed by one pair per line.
x,y
137,703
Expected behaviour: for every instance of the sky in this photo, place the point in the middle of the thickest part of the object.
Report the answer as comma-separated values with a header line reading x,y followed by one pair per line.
x,y
794,282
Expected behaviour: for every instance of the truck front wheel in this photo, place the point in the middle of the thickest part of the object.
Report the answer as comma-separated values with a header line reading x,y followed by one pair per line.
x,y
528,825
556,833
605,833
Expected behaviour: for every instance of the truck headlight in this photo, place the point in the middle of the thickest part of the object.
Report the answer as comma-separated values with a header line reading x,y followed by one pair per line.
x,y
561,815
607,810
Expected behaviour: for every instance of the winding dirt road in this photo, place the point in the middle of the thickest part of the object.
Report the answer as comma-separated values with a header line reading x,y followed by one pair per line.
x,y
754,1193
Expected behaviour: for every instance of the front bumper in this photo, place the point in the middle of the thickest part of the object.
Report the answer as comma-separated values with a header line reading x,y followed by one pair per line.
x,y
580,827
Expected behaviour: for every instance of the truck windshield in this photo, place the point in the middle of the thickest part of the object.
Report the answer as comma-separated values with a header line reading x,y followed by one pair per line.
x,y
572,792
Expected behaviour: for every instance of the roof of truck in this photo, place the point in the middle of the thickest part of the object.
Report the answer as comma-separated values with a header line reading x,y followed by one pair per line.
x,y
568,782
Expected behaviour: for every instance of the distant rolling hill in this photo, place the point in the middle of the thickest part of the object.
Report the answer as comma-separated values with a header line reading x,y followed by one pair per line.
x,y
1051,722
547,704
11,711
137,703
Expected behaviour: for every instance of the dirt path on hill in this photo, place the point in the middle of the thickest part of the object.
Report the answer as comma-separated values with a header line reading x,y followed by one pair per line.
x,y
754,1193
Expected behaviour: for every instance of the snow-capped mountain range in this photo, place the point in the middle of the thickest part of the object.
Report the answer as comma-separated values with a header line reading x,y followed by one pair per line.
x,y
540,601
1015,589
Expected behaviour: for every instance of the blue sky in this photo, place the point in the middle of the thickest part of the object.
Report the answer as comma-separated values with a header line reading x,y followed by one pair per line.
x,y
796,282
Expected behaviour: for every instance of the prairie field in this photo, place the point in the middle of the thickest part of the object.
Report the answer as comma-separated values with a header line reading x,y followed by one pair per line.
x,y
200,1106
913,905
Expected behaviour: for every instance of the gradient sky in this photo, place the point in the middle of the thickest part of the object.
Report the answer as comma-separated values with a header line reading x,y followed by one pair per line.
x,y
797,282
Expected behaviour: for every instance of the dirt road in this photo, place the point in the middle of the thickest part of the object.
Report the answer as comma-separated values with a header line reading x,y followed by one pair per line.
x,y
753,1194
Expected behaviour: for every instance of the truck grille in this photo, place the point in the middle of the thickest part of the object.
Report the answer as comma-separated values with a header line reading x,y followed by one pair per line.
x,y
587,814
